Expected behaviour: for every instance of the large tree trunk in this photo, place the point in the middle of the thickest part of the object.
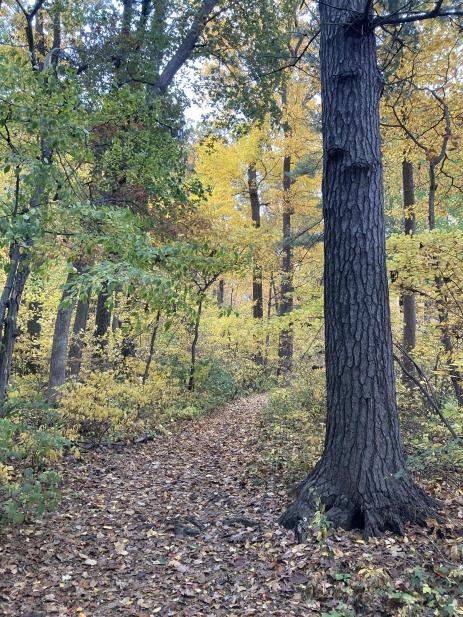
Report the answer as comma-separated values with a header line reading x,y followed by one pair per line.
x,y
59,350
361,478
285,346
257,287
76,347
408,299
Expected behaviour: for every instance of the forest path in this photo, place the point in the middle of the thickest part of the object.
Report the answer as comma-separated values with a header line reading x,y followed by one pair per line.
x,y
183,526
177,526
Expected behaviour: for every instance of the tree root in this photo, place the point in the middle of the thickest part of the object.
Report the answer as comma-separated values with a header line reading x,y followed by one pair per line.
x,y
373,513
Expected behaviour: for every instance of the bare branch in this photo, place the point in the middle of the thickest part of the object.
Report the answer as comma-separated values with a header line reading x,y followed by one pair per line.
x,y
394,19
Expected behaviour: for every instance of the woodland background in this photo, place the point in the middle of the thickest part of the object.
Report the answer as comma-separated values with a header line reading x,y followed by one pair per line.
x,y
155,268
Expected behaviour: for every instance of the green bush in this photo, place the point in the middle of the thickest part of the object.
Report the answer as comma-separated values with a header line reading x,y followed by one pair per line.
x,y
293,429
28,484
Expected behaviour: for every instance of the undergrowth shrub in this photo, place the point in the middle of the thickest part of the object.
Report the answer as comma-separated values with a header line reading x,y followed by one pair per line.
x,y
108,406
28,483
293,427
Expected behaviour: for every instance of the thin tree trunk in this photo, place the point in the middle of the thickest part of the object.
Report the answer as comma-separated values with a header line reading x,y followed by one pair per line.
x,y
221,292
275,296
20,261
34,330
76,347
102,325
59,350
447,343
285,346
128,346
442,312
269,314
432,196
408,300
361,478
152,347
257,297
9,324
194,343
257,289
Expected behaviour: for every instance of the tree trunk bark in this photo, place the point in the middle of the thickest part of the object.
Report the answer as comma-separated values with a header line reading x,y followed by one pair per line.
x,y
257,297
194,343
257,288
102,325
20,265
442,312
152,344
285,346
76,347
447,343
408,300
59,350
361,478
221,292
128,346
432,196
34,330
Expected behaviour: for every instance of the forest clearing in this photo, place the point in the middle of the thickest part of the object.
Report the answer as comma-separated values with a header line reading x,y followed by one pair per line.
x,y
231,308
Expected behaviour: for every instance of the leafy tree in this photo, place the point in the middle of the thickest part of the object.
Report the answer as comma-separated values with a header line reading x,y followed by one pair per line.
x,y
361,477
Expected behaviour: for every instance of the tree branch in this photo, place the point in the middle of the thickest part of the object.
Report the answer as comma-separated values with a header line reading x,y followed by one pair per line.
x,y
428,397
394,19
186,47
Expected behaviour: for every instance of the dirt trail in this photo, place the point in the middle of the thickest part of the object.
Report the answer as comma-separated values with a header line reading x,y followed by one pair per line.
x,y
182,526
177,526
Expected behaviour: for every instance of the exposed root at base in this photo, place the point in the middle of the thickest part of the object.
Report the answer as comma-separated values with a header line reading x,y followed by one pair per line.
x,y
405,503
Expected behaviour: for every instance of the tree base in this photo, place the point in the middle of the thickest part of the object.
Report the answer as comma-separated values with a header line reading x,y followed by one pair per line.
x,y
400,501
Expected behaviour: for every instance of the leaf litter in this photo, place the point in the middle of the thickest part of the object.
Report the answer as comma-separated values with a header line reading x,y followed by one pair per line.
x,y
184,525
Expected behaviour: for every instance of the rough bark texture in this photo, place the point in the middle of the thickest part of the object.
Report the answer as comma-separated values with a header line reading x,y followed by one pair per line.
x,y
20,261
361,478
76,347
408,300
285,345
59,350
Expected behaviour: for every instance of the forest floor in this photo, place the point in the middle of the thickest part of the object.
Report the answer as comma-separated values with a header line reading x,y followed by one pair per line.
x,y
183,526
